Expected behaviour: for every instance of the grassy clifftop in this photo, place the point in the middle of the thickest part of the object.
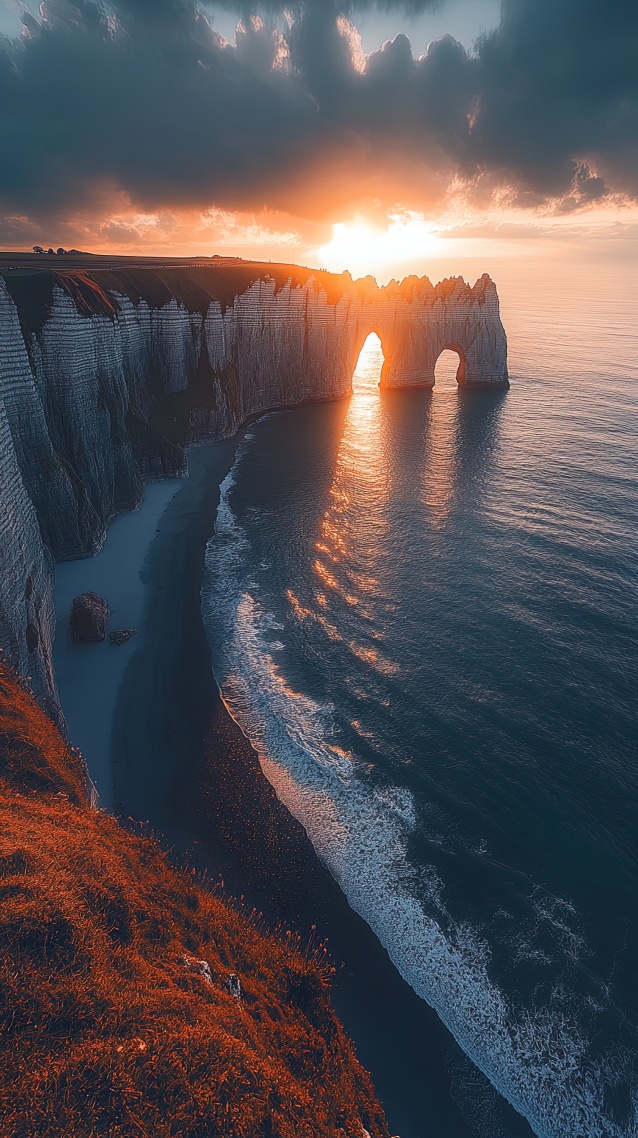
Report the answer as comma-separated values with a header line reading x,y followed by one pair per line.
x,y
109,1024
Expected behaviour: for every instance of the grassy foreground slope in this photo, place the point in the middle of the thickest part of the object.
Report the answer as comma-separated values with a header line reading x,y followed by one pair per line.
x,y
107,1026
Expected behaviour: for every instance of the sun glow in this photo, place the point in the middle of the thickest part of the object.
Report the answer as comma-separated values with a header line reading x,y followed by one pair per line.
x,y
367,249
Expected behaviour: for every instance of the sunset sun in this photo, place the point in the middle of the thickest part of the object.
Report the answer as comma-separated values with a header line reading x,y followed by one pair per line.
x,y
364,248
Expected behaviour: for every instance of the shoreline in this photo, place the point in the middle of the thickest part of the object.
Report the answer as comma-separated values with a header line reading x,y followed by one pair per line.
x,y
182,765
89,675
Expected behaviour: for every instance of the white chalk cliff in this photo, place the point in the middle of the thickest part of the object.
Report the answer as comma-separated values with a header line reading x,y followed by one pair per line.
x,y
105,376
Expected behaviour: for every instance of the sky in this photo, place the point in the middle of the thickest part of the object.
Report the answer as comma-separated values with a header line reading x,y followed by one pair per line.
x,y
360,135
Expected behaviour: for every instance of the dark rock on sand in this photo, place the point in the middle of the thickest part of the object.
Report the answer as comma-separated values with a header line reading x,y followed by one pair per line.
x,y
89,617
121,635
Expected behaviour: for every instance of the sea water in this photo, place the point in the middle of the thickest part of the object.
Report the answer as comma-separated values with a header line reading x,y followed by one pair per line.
x,y
422,612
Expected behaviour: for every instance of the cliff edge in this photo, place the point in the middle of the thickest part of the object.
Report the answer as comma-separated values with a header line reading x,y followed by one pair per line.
x,y
132,1001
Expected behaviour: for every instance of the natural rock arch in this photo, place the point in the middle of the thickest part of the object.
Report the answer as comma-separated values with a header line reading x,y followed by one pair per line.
x,y
416,321
461,370
362,340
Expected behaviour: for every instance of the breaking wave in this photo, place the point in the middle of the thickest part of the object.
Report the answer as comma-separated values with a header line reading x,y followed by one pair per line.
x,y
538,1057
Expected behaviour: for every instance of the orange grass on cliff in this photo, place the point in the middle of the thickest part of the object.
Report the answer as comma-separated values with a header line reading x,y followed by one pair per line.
x,y
105,1030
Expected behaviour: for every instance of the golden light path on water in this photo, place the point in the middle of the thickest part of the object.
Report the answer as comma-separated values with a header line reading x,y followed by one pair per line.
x,y
438,481
361,477
355,522
345,567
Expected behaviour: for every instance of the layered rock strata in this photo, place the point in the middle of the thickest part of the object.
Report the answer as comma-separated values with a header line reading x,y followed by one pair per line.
x,y
106,375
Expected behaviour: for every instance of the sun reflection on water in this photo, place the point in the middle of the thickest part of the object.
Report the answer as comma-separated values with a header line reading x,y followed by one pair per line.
x,y
360,474
352,537
438,477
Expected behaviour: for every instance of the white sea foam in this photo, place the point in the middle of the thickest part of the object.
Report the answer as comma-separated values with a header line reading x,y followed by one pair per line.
x,y
536,1057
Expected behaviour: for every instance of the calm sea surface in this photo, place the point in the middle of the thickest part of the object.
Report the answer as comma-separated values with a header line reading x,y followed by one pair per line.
x,y
422,609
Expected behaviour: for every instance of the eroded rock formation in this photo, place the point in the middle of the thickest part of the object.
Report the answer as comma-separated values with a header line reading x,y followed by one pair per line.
x,y
105,375
89,617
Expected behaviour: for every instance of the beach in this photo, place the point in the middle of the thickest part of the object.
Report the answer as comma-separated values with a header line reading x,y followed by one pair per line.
x,y
89,675
163,750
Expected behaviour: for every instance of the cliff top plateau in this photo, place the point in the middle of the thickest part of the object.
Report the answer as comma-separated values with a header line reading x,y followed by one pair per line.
x,y
91,280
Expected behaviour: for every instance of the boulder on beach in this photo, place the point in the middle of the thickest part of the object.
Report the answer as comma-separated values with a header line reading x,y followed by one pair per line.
x,y
121,635
89,617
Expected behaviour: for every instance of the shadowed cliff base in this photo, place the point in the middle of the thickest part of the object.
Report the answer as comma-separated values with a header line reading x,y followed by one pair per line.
x,y
135,1001
183,764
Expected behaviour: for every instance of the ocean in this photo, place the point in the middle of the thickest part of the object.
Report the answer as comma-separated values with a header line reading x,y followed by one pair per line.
x,y
422,612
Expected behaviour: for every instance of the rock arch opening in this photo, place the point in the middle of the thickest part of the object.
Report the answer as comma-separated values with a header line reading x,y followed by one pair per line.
x,y
367,373
449,370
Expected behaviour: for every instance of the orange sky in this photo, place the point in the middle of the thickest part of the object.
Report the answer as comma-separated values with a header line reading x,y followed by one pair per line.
x,y
371,155
385,246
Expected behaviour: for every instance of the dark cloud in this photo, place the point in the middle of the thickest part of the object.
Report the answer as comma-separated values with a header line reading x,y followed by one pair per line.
x,y
559,88
144,97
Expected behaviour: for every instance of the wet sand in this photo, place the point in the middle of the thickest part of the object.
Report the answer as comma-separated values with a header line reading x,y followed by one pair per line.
x,y
181,764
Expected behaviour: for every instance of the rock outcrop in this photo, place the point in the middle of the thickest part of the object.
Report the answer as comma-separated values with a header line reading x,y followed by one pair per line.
x,y
121,636
89,617
106,375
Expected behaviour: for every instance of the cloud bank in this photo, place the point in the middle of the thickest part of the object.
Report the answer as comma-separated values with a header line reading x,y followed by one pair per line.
x,y
144,103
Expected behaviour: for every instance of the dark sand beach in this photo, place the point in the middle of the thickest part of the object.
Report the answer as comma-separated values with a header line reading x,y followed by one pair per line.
x,y
181,765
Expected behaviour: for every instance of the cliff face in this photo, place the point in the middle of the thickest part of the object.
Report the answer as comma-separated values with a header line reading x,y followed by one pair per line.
x,y
26,565
416,321
104,376
117,1005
